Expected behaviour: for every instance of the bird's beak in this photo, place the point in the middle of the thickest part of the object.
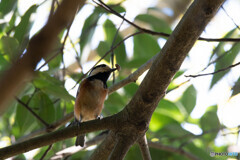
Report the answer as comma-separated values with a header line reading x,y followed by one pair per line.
x,y
114,69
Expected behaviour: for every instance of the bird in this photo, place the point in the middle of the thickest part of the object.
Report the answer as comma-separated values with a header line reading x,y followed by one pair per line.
x,y
91,95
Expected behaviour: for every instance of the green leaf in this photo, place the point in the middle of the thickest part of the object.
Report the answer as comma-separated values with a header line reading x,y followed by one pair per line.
x,y
89,28
131,89
157,24
23,28
188,100
219,50
136,62
224,62
114,103
102,48
110,32
55,63
6,6
45,107
3,63
170,109
52,86
173,130
236,88
199,152
159,120
11,23
173,85
210,121
145,46
133,153
9,46
24,119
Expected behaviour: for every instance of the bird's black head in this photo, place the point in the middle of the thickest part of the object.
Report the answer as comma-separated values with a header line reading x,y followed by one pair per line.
x,y
101,72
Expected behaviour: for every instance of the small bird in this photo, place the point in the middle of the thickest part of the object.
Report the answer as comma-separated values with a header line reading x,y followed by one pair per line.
x,y
91,95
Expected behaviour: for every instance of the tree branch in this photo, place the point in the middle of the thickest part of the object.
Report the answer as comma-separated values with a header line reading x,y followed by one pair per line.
x,y
132,77
39,47
105,148
172,149
167,63
143,144
109,9
220,70
50,138
73,149
122,146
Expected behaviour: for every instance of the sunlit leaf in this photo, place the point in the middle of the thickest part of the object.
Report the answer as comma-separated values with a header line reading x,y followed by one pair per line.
x,y
102,48
210,121
89,28
157,24
51,86
110,33
7,6
24,119
219,50
9,46
23,28
236,88
45,108
224,62
188,99
145,46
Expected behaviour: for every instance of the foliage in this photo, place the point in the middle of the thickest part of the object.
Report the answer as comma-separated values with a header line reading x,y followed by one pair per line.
x,y
47,96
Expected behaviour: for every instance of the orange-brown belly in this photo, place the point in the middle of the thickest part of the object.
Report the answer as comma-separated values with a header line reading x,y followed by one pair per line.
x,y
90,100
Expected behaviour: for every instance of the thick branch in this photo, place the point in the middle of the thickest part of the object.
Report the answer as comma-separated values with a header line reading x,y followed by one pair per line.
x,y
121,147
143,144
50,138
39,46
104,149
168,62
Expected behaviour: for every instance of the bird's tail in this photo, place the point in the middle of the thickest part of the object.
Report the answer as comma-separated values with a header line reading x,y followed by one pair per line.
x,y
80,140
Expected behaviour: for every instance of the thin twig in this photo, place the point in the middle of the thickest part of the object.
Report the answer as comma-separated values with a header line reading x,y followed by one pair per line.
x,y
109,9
214,61
112,53
31,111
52,9
230,17
143,144
45,153
220,70
178,86
173,150
58,50
84,75
132,77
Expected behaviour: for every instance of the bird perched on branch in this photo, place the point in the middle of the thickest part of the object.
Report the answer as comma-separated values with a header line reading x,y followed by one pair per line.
x,y
91,95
